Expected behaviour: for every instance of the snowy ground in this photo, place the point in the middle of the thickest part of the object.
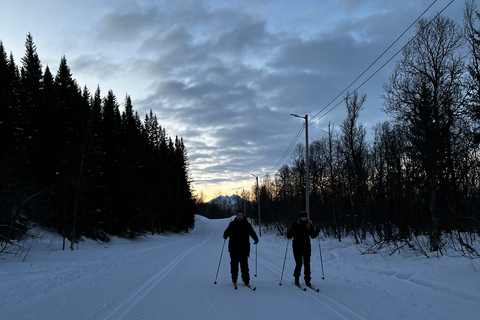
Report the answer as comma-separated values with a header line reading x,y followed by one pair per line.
x,y
172,277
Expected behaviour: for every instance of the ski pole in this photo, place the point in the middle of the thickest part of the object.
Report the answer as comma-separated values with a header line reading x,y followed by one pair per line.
x,y
256,250
321,260
215,282
283,268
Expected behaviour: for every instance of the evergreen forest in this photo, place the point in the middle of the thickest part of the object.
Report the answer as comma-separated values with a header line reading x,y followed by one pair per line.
x,y
71,162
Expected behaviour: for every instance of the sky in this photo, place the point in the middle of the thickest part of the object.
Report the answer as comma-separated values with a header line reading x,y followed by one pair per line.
x,y
226,75
172,276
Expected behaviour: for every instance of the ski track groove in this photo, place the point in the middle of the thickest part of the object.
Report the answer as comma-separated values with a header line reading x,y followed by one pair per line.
x,y
344,312
122,309
411,279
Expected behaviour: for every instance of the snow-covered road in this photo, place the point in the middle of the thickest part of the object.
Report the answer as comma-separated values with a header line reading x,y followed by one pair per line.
x,y
172,277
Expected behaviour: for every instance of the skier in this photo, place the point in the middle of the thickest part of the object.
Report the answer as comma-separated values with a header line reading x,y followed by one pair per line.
x,y
300,231
239,230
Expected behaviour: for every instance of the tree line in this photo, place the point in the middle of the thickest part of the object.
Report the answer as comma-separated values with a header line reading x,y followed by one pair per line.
x,y
72,162
420,176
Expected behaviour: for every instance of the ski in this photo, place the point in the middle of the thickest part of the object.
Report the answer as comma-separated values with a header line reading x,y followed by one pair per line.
x,y
300,287
246,285
251,288
313,288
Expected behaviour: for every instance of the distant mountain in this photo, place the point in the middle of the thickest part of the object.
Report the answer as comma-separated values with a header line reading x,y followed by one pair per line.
x,y
228,203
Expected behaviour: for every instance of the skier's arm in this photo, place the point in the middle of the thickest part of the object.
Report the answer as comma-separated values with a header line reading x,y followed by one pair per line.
x,y
253,235
226,233
290,232
255,238
314,231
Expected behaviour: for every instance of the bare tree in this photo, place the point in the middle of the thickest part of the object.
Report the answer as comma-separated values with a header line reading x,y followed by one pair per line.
x,y
471,20
354,150
424,94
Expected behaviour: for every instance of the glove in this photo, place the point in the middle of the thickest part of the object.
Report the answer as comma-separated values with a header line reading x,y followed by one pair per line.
x,y
309,224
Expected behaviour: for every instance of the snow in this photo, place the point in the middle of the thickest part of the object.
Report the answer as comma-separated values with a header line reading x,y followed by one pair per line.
x,y
172,277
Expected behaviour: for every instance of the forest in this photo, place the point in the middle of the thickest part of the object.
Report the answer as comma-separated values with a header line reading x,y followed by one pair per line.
x,y
71,162
417,184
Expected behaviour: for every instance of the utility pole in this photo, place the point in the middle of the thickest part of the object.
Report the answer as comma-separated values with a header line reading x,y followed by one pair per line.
x,y
307,166
258,204
244,205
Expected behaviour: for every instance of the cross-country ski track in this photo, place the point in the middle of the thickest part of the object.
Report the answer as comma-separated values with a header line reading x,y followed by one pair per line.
x,y
172,277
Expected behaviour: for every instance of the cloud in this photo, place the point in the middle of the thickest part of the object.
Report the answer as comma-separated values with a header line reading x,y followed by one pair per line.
x,y
100,66
227,79
225,75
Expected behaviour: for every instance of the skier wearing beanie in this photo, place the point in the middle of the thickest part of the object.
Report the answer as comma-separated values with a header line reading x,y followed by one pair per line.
x,y
300,231
239,231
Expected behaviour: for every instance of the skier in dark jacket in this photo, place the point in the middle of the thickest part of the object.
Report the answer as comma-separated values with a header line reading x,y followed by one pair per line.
x,y
300,231
239,231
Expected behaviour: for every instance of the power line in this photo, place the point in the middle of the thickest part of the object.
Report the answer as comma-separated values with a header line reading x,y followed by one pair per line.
x,y
285,154
313,120
381,67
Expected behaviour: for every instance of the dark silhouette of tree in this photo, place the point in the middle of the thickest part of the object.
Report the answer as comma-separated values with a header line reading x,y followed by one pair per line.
x,y
354,152
423,93
73,162
184,200
471,26
12,225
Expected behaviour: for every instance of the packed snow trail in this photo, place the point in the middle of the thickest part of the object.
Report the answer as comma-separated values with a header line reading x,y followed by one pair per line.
x,y
172,277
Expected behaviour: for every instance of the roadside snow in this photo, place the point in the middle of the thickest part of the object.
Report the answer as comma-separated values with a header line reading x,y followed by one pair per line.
x,y
172,277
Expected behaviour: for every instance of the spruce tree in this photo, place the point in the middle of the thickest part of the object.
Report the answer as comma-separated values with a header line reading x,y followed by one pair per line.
x,y
7,107
30,120
130,164
113,214
11,194
185,205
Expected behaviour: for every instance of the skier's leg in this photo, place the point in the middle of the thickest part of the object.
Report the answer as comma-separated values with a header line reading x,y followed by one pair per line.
x,y
306,270
298,265
244,269
234,267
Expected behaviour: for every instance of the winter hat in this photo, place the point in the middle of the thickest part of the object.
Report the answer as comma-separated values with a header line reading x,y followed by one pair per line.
x,y
303,214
